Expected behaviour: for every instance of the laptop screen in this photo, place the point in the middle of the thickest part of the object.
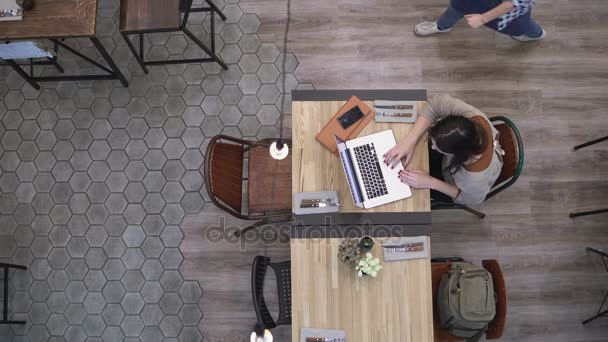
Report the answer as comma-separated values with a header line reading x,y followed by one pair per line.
x,y
349,170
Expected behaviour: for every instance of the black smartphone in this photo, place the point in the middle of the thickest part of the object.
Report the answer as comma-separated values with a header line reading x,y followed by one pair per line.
x,y
349,118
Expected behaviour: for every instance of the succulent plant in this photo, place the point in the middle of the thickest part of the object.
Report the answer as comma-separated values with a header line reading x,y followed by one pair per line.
x,y
349,251
368,265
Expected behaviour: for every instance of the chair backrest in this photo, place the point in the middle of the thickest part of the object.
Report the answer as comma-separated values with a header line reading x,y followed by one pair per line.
x,y
497,326
513,160
283,274
258,274
224,173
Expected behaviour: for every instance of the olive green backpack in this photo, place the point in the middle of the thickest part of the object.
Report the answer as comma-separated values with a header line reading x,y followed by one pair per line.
x,y
466,301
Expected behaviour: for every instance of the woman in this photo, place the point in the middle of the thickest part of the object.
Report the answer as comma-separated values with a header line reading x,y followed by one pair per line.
x,y
465,158
510,17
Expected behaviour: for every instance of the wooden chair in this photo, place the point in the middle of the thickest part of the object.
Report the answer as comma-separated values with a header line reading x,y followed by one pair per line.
x,y
268,180
513,163
497,326
282,271
150,16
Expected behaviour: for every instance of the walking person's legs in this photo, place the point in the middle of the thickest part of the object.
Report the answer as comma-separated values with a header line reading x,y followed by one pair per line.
x,y
449,18
444,24
523,28
529,29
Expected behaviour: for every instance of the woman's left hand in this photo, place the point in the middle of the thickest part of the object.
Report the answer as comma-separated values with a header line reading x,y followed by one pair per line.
x,y
417,179
475,20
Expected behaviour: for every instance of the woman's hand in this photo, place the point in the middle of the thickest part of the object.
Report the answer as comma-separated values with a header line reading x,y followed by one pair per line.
x,y
417,179
475,20
397,153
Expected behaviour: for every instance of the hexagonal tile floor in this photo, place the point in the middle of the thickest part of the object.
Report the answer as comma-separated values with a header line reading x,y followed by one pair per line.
x,y
96,178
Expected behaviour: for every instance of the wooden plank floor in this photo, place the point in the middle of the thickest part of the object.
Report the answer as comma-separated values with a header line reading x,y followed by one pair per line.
x,y
555,90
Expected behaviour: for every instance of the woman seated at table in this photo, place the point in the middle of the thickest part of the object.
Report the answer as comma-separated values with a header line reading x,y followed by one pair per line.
x,y
465,156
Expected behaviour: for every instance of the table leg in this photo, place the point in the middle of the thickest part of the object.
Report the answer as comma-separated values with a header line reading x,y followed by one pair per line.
x,y
59,68
205,48
23,74
138,56
109,60
216,9
5,301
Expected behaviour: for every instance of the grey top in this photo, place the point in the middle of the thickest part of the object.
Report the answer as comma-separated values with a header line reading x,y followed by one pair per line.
x,y
474,186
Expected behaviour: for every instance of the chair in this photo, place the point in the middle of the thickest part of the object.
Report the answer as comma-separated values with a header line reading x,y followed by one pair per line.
x,y
513,163
496,327
596,211
5,290
600,313
150,16
268,181
283,275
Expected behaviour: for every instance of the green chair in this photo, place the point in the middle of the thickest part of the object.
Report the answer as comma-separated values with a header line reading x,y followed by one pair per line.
x,y
513,163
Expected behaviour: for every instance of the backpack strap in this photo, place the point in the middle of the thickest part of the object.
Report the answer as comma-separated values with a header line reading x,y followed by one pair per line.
x,y
477,337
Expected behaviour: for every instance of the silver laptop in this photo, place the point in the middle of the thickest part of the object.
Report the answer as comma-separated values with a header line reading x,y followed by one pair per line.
x,y
372,183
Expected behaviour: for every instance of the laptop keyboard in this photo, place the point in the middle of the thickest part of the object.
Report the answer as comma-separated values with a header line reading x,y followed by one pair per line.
x,y
371,172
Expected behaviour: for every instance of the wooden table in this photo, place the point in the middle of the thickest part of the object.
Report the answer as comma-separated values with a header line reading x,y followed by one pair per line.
x,y
314,168
55,20
397,306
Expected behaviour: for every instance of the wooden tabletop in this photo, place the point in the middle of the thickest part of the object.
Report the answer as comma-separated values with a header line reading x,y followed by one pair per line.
x,y
317,169
53,19
396,306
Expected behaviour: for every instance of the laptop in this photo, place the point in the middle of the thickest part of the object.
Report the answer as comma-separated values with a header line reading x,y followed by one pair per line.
x,y
372,183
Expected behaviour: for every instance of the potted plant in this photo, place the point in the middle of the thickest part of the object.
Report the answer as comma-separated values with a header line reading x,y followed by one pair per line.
x,y
366,244
368,265
349,252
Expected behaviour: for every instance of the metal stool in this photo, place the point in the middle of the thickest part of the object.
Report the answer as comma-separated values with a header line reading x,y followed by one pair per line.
x,y
7,268
600,313
139,17
589,212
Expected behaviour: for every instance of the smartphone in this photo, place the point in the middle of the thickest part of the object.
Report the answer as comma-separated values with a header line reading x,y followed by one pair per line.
x,y
349,118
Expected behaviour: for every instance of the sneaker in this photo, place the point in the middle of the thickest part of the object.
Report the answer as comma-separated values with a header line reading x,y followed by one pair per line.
x,y
524,38
427,28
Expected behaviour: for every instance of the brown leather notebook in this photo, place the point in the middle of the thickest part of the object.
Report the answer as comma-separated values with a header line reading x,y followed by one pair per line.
x,y
333,128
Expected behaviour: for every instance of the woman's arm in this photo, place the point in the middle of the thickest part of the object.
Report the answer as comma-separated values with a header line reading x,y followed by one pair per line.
x,y
477,20
497,11
436,108
447,188
422,180
421,125
405,148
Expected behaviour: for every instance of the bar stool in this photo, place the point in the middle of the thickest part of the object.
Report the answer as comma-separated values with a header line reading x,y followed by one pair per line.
x,y
6,273
599,313
589,212
150,16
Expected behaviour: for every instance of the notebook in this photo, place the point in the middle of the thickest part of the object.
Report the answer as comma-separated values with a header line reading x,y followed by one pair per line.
x,y
328,134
